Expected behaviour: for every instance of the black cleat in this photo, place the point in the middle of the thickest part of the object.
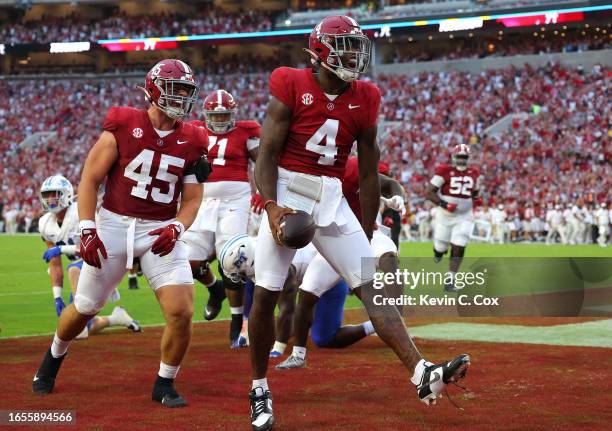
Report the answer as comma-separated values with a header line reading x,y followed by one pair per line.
x,y
215,300
262,418
436,377
438,256
164,393
132,283
44,380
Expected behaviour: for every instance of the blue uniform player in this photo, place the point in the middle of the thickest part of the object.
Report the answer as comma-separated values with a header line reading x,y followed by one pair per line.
x,y
59,228
237,259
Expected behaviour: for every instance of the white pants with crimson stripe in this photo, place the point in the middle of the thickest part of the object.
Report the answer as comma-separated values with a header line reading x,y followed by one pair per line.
x,y
95,285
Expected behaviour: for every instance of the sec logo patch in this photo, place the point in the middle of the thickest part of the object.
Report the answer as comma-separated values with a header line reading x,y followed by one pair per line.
x,y
137,132
307,99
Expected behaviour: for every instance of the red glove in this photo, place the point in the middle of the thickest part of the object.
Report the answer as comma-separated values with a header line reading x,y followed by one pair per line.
x,y
449,206
476,202
257,203
90,245
388,221
167,238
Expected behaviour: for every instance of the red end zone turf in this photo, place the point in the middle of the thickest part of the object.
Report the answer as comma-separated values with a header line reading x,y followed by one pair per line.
x,y
107,379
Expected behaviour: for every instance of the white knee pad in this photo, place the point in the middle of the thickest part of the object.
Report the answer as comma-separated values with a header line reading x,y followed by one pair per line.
x,y
87,306
440,246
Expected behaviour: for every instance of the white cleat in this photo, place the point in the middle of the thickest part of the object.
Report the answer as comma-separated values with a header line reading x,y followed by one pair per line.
x,y
291,362
124,319
435,377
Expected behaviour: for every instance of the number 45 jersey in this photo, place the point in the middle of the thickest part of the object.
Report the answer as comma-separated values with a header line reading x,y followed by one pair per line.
x,y
322,130
456,186
147,178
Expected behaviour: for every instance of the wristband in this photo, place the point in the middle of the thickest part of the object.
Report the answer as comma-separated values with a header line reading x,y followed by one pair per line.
x,y
443,204
86,224
269,201
68,250
180,226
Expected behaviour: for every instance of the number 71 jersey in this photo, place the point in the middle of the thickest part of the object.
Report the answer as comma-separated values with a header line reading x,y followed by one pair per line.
x,y
322,130
147,178
456,186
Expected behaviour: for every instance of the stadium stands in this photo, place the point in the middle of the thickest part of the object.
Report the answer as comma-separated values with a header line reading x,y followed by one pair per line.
x,y
425,114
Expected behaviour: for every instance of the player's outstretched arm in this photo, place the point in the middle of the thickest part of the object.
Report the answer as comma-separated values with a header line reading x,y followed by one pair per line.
x,y
369,184
99,161
273,137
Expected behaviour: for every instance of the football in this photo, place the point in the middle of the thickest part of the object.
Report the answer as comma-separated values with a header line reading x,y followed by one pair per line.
x,y
297,230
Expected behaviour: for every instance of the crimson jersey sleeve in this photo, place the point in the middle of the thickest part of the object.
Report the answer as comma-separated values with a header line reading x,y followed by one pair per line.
x,y
111,122
281,86
374,104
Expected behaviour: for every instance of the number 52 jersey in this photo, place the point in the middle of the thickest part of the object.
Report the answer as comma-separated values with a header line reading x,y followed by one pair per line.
x,y
456,186
322,130
147,178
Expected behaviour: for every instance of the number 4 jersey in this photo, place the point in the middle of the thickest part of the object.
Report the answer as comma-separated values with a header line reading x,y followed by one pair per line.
x,y
323,129
147,177
456,186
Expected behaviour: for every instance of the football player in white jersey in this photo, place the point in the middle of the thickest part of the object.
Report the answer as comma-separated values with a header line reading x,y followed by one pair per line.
x,y
59,229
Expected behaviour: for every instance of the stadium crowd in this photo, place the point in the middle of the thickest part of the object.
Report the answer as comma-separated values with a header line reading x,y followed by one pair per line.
x,y
75,28
559,154
518,44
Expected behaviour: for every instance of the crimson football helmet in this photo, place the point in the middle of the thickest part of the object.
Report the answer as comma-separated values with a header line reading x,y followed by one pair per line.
x,y
171,87
220,111
459,156
338,44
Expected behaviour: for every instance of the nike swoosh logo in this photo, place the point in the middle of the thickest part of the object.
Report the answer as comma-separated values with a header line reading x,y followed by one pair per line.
x,y
353,106
232,209
181,142
36,377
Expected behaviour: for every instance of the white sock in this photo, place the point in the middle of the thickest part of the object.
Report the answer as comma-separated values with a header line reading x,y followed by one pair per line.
x,y
260,383
113,320
279,347
59,346
57,291
452,277
368,327
300,352
132,275
418,371
168,371
236,310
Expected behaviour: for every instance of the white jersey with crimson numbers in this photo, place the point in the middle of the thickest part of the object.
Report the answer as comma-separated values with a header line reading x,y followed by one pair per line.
x,y
66,233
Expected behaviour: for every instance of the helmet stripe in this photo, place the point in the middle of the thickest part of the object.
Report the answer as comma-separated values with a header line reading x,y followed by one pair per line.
x,y
229,244
219,97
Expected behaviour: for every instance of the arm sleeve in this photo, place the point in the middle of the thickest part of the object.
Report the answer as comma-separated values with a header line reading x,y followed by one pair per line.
x,y
438,178
280,86
254,135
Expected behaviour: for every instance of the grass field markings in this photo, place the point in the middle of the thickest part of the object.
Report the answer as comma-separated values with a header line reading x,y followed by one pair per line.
x,y
587,334
46,292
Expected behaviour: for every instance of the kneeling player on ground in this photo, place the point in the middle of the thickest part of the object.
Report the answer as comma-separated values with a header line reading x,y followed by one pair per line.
x,y
59,228
149,158
453,188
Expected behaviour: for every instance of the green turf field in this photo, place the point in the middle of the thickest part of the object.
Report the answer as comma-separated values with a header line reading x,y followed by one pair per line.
x,y
26,305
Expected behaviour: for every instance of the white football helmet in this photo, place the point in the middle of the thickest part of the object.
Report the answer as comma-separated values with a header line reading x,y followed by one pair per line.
x,y
56,194
237,258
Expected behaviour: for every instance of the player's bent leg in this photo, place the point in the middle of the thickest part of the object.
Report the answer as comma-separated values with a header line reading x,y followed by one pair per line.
x,y
235,293
286,309
329,313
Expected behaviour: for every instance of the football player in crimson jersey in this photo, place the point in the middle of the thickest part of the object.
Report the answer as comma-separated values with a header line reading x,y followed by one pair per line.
x,y
149,158
225,208
314,117
454,188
